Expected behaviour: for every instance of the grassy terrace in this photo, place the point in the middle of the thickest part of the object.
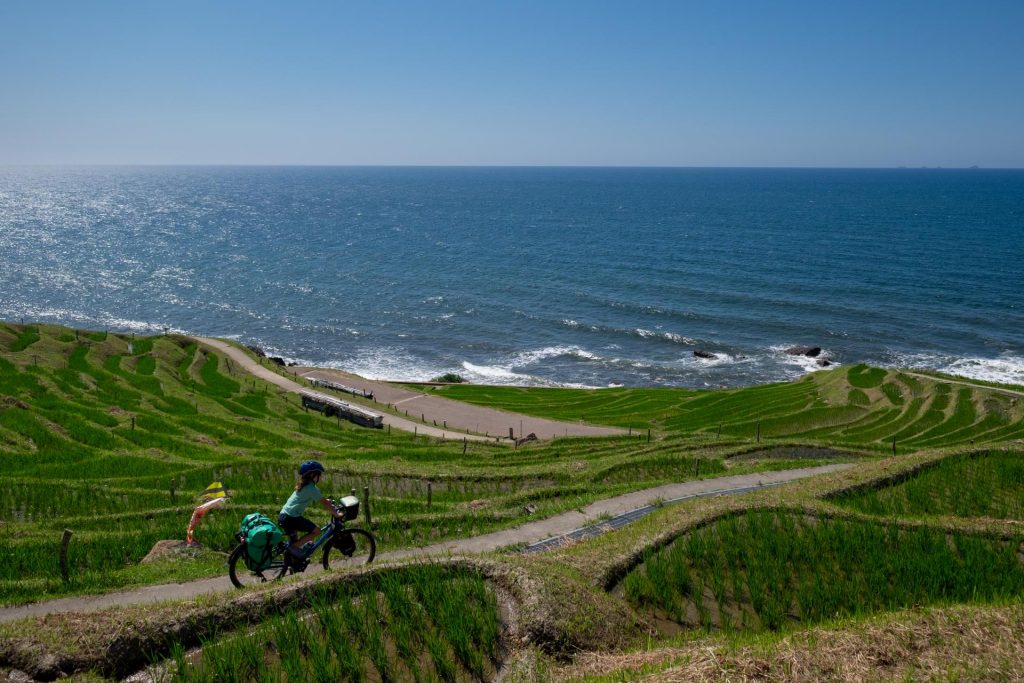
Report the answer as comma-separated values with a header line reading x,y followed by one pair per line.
x,y
905,566
858,407
113,437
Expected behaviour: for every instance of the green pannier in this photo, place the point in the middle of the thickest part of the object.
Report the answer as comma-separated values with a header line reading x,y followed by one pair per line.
x,y
261,537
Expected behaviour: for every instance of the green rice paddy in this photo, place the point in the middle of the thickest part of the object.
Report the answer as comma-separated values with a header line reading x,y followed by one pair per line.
x,y
982,484
114,437
424,624
777,570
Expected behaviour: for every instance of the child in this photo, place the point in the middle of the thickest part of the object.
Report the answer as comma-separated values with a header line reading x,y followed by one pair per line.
x,y
306,492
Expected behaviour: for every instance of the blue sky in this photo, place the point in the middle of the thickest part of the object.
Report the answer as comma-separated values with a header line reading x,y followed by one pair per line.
x,y
479,82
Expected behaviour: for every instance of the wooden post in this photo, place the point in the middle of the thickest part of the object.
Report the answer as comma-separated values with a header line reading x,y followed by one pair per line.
x,y
648,436
759,432
353,491
172,491
133,423
511,433
445,424
64,573
894,445
631,430
719,435
465,442
366,505
414,428
430,494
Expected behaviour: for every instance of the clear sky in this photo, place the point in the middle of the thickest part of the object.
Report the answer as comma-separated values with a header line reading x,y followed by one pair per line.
x,y
587,82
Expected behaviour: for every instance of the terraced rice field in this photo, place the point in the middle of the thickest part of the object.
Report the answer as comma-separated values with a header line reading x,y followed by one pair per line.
x,y
978,484
114,437
771,570
855,406
424,624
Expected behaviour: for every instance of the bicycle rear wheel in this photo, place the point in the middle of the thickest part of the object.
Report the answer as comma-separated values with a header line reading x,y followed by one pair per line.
x,y
363,549
241,576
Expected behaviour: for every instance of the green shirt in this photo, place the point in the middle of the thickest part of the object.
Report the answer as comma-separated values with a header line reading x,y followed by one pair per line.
x,y
300,500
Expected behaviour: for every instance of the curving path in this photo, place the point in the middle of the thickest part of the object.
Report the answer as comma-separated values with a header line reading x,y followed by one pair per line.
x,y
459,420
531,532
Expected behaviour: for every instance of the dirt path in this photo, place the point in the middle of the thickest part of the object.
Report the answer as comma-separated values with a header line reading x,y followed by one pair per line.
x,y
524,534
456,420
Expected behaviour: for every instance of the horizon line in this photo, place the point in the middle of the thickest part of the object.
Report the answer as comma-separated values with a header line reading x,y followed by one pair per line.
x,y
901,167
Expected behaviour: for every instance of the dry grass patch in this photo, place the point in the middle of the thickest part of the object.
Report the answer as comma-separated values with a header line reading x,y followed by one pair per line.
x,y
955,643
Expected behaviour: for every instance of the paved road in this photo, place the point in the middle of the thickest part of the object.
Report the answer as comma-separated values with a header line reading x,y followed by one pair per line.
x,y
455,420
527,533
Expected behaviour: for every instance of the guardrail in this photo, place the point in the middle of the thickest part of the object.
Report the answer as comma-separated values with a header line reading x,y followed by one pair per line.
x,y
327,384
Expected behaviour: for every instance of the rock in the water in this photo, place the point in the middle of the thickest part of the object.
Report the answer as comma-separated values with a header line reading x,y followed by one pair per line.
x,y
278,360
824,362
809,351
704,354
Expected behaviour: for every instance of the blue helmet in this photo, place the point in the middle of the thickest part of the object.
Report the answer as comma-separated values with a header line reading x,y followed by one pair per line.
x,y
310,467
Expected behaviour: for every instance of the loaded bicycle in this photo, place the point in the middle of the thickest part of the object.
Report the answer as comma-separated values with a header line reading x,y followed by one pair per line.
x,y
261,557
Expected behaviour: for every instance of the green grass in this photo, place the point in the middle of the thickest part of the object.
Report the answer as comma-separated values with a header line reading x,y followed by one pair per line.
x,y
95,437
858,406
777,570
97,430
425,623
985,484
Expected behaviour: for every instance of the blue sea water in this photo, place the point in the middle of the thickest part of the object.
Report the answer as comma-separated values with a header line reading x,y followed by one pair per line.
x,y
551,276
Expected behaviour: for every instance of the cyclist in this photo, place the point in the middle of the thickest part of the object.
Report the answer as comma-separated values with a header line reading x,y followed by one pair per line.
x,y
306,492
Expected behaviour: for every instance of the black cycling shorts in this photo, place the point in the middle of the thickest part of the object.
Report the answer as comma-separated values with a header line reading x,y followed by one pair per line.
x,y
295,525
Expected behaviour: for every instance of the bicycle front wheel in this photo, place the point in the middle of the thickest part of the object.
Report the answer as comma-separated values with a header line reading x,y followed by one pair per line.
x,y
341,552
241,576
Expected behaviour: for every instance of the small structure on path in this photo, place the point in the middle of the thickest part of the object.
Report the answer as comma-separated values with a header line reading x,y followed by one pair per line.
x,y
329,405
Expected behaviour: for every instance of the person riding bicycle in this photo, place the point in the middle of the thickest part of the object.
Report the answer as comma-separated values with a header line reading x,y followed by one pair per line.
x,y
291,520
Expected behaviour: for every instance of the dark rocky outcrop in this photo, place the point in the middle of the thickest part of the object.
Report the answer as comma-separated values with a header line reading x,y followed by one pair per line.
x,y
258,351
278,360
809,351
824,362
699,353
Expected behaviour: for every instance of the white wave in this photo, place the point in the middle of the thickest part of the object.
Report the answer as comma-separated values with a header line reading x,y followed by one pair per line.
x,y
1004,369
719,359
679,339
97,321
804,363
389,364
496,374
646,334
524,358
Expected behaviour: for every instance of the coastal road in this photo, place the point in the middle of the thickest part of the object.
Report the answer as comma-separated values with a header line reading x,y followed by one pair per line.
x,y
458,420
530,532
459,415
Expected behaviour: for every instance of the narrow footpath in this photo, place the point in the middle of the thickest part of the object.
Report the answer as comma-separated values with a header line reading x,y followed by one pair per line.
x,y
525,534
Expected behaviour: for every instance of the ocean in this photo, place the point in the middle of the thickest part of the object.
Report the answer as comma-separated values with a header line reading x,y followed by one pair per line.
x,y
537,276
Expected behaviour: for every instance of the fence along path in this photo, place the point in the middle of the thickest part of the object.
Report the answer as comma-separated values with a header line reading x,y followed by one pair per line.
x,y
532,532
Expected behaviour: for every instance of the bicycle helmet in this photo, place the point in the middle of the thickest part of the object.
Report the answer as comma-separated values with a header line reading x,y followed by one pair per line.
x,y
310,467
